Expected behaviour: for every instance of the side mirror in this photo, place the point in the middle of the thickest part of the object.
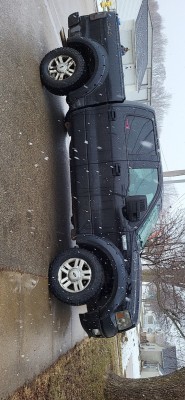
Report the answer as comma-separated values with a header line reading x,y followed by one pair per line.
x,y
135,207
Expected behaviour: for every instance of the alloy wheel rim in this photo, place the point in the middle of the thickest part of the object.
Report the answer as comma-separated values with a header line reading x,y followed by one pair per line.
x,y
61,67
74,275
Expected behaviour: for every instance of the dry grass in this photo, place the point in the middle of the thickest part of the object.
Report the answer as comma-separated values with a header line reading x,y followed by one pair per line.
x,y
79,374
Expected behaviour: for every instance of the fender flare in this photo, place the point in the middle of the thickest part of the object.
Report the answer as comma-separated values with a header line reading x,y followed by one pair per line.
x,y
101,65
115,257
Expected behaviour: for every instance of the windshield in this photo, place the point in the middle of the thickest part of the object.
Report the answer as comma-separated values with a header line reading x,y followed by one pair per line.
x,y
143,181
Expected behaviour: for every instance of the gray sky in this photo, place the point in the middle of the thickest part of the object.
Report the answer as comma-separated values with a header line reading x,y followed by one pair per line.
x,y
173,132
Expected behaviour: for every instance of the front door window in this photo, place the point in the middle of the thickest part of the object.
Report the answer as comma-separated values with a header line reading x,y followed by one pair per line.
x,y
148,226
143,181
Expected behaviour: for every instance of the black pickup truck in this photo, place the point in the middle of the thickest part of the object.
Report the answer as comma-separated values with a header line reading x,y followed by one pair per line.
x,y
116,176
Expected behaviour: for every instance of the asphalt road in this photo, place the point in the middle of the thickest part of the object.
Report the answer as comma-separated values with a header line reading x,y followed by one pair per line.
x,y
35,207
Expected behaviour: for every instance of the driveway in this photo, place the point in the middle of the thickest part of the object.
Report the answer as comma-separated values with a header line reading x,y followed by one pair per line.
x,y
35,199
35,205
35,328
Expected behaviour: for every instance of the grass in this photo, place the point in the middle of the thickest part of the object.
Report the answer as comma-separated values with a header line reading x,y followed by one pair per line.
x,y
79,374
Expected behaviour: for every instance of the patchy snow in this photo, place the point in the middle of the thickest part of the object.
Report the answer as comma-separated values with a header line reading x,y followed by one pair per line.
x,y
130,354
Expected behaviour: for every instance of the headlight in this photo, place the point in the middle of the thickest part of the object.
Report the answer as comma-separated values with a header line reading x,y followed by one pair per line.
x,y
123,320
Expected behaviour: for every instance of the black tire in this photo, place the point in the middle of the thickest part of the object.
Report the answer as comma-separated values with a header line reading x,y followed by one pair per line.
x,y
62,86
92,285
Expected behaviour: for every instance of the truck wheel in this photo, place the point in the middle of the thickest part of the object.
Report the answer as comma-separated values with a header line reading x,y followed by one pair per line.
x,y
62,70
76,276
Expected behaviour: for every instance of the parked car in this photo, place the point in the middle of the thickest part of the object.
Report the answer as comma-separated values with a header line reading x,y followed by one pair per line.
x,y
116,176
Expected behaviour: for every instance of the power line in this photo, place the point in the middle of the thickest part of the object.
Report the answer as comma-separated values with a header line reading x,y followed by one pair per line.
x,y
177,172
179,199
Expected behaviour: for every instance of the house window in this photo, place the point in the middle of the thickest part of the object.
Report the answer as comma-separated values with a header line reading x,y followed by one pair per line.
x,y
150,319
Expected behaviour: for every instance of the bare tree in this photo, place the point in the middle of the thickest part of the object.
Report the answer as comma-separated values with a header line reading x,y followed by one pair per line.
x,y
166,245
160,98
164,257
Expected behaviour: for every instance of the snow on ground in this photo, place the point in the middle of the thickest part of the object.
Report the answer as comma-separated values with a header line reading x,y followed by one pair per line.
x,y
130,354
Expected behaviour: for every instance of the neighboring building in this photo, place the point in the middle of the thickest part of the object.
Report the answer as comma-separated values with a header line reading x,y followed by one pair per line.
x,y
157,356
136,34
157,360
148,318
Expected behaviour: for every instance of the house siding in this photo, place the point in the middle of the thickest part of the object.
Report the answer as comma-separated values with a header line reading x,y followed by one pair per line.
x,y
151,353
128,9
149,372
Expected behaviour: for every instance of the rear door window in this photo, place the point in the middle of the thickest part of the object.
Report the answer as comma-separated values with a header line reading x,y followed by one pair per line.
x,y
140,135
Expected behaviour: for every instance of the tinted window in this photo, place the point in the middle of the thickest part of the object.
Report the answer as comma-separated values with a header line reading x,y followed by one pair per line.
x,y
140,133
143,181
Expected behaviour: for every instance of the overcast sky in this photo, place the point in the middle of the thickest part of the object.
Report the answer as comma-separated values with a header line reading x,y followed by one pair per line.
x,y
173,132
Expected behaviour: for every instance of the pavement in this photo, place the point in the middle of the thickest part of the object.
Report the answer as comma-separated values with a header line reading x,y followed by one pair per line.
x,y
35,205
35,328
35,191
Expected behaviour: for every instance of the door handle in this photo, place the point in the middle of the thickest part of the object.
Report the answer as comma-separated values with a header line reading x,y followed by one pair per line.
x,y
112,115
116,170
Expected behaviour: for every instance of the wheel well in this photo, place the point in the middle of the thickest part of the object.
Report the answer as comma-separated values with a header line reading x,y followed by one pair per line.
x,y
107,287
109,278
106,264
88,56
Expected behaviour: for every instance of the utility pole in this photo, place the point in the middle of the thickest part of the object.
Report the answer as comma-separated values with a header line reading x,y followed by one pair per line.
x,y
175,181
174,173
179,172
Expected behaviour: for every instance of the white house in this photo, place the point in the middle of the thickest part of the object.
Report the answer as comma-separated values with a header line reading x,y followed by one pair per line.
x,y
157,360
136,34
157,356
